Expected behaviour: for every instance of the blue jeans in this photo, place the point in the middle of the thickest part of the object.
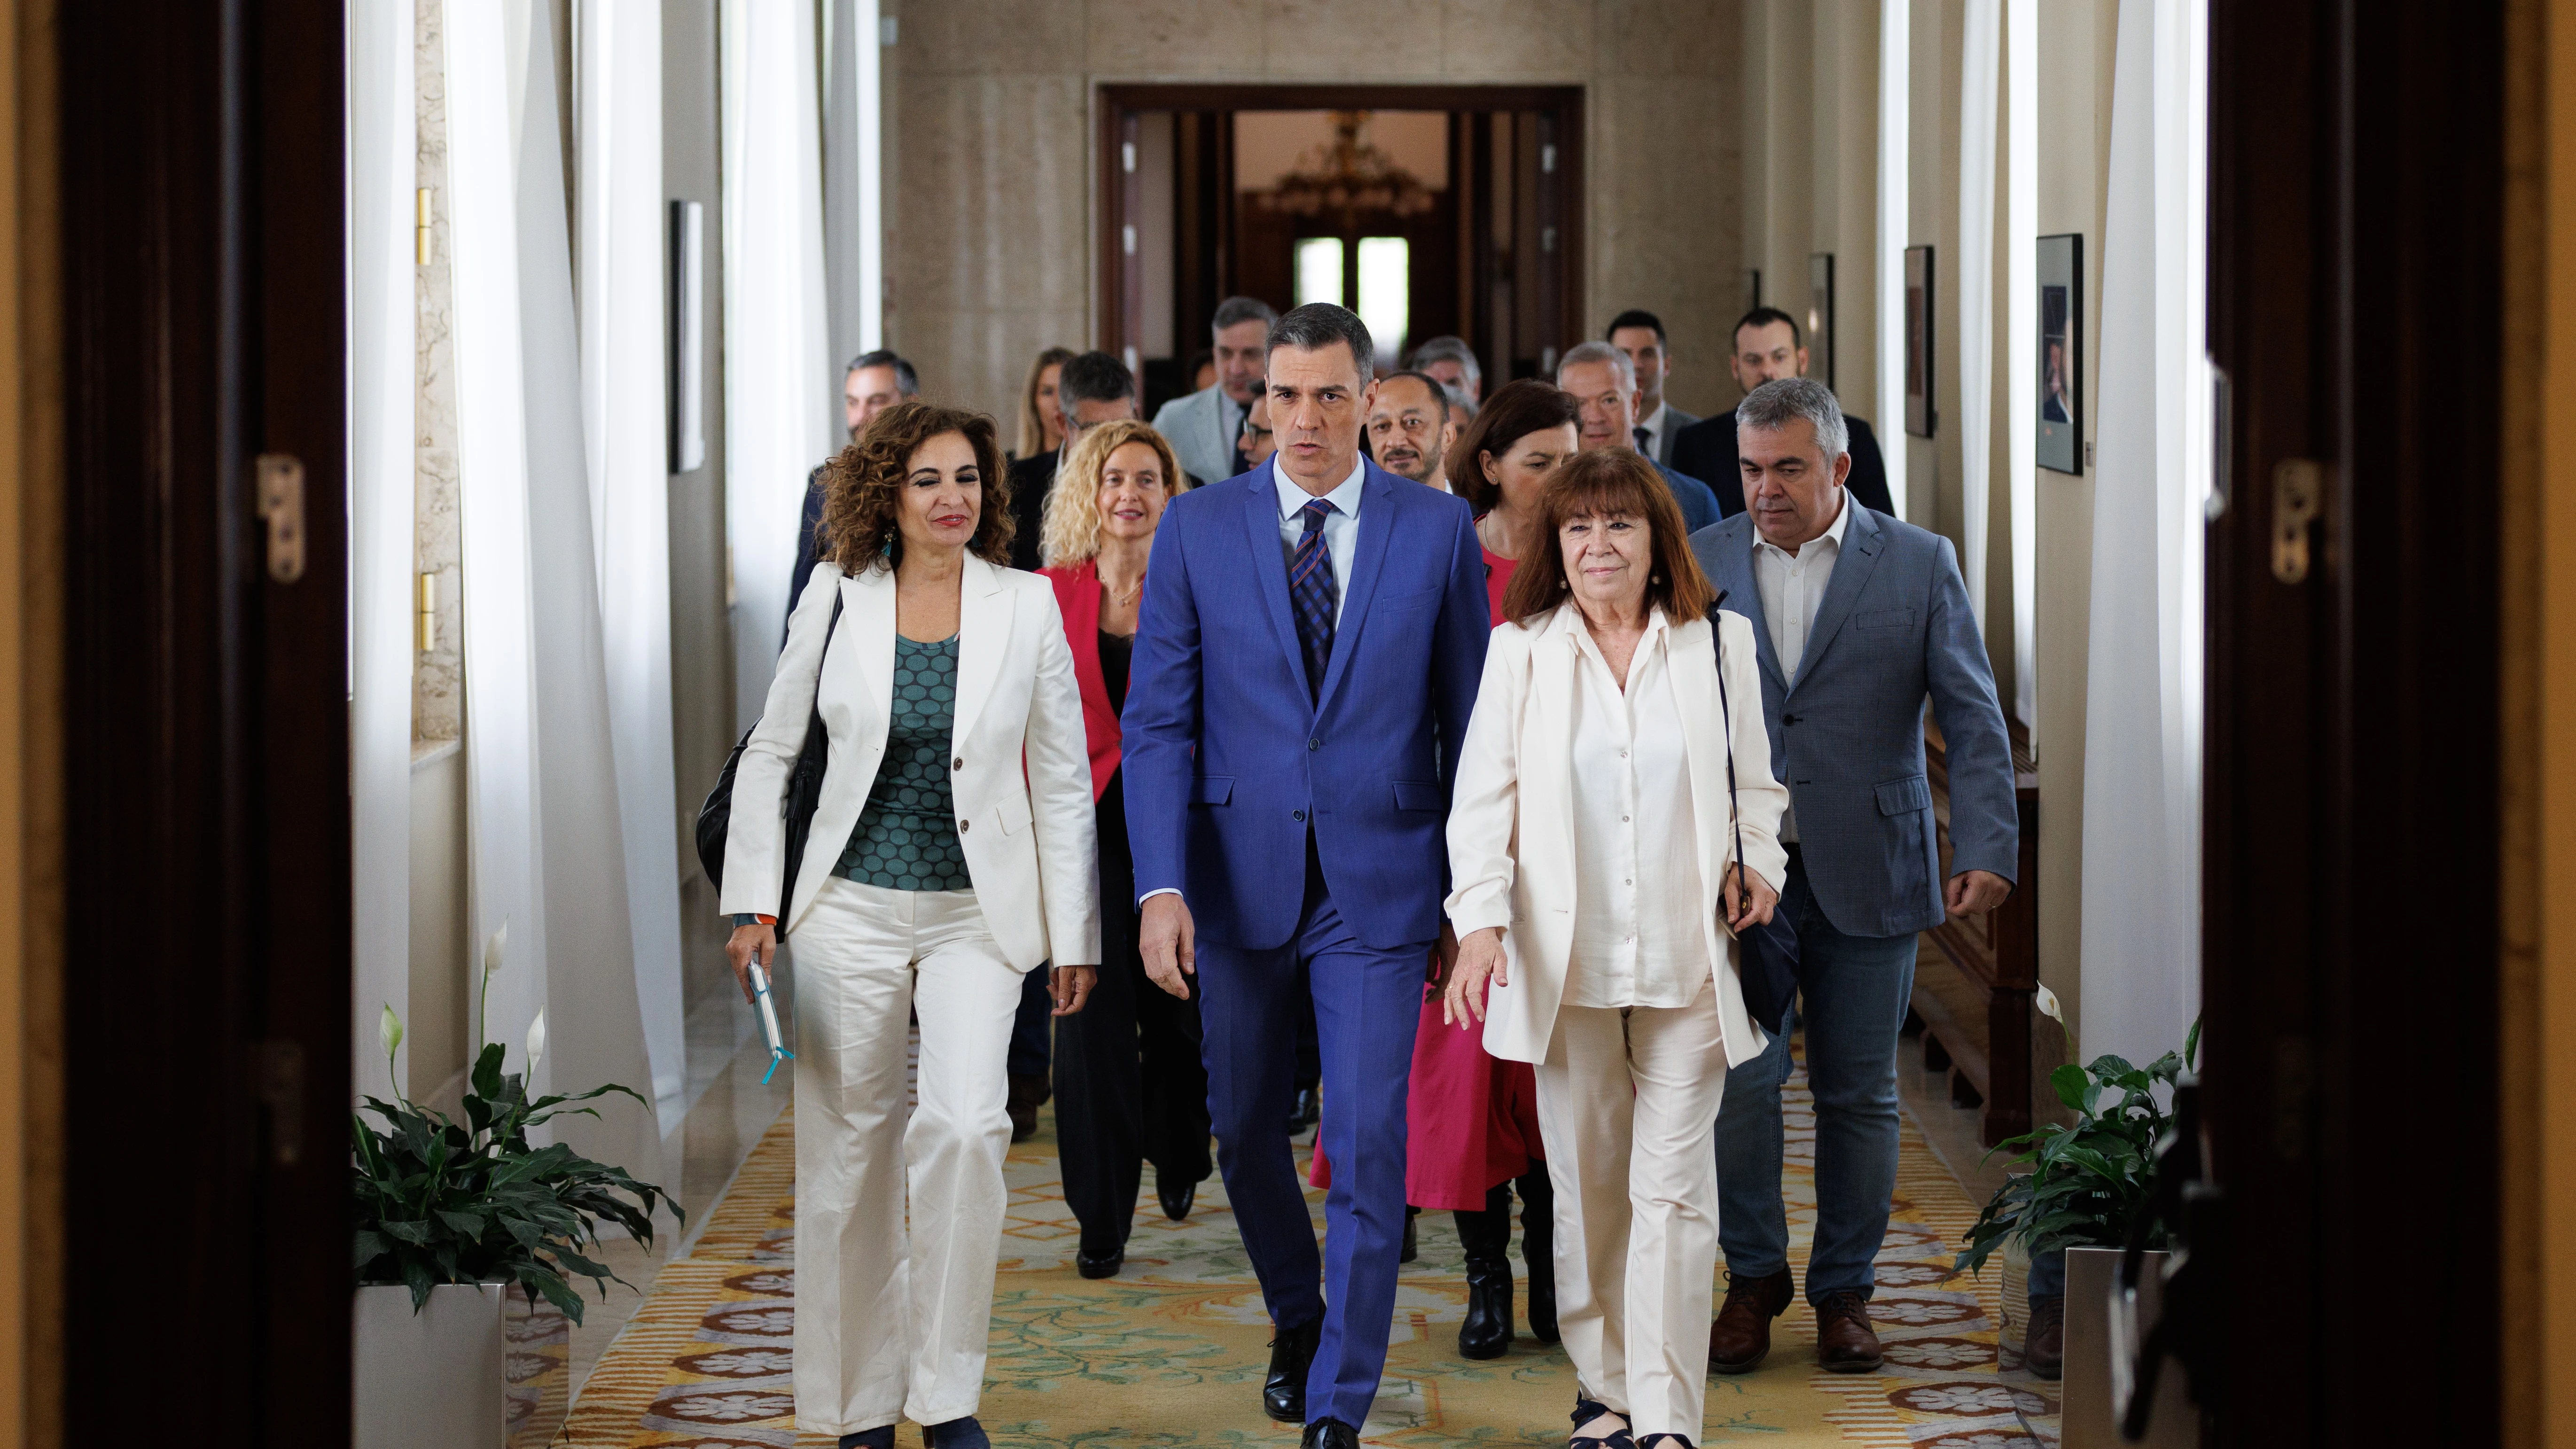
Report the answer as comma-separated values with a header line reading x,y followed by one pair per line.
x,y
1853,995
2048,1274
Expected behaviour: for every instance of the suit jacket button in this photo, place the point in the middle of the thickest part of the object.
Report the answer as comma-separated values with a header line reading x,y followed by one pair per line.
x,y
957,764
962,824
1296,814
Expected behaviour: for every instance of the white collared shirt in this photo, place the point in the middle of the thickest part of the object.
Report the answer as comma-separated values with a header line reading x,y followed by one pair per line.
x,y
1654,423
1341,527
1793,589
1638,939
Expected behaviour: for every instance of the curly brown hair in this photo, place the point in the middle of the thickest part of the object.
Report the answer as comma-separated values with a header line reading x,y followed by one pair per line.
x,y
863,486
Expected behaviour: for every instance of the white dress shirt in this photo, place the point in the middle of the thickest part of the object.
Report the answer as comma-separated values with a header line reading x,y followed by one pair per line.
x,y
1654,423
1638,939
1793,589
1341,526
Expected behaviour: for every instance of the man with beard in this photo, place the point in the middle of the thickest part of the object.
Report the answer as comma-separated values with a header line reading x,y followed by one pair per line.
x,y
1409,428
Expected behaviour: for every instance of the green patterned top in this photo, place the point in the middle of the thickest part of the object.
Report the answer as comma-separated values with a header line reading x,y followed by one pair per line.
x,y
906,839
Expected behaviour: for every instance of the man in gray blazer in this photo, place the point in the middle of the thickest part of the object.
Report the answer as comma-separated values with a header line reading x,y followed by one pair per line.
x,y
1857,617
1640,334
1206,427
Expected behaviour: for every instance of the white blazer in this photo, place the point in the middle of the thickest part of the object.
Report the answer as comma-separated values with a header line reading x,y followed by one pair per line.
x,y
1511,820
1022,777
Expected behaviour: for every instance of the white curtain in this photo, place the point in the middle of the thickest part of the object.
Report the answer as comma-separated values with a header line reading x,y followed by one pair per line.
x,y
1895,203
382,162
853,220
625,425
546,840
780,413
2021,346
2142,716
1980,72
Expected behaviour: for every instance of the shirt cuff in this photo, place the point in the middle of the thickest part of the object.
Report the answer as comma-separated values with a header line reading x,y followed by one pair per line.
x,y
1149,895
1470,912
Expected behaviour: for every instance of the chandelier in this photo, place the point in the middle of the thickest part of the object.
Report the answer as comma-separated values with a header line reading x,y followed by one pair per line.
x,y
1348,176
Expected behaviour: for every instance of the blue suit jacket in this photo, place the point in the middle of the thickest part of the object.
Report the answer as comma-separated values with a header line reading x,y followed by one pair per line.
x,y
1700,506
1228,762
1847,733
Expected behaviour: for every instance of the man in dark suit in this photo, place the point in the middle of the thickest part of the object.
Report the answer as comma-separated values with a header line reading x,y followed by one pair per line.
x,y
1767,349
1640,334
1604,384
1092,389
873,382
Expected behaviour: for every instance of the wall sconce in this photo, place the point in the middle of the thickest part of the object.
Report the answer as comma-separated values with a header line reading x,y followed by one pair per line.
x,y
426,617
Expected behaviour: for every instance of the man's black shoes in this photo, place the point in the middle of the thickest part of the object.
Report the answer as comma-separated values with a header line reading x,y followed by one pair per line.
x,y
1283,1389
1329,1434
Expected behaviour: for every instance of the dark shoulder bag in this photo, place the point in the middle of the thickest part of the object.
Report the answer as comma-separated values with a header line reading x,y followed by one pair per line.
x,y
1767,954
804,791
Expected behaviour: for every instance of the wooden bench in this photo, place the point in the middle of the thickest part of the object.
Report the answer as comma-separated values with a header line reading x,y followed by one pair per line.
x,y
1974,979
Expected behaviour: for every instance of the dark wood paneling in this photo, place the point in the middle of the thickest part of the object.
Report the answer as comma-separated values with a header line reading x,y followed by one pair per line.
x,y
2350,885
206,776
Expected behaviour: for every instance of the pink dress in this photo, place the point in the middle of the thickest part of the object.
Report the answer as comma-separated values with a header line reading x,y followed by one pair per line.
x,y
1471,1120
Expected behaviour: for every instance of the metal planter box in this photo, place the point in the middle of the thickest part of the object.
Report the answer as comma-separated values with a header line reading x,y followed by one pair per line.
x,y
432,1380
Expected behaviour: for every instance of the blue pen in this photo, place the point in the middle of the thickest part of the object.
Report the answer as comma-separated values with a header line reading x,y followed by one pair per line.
x,y
769,1032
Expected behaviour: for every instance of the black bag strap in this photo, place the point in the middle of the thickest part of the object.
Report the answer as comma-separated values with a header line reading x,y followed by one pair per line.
x,y
1726,721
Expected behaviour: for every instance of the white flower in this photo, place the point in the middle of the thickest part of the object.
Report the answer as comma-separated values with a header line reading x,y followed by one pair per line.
x,y
389,1030
536,1041
493,949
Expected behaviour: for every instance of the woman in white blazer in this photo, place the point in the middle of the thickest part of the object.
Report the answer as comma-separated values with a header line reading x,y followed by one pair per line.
x,y
1592,851
952,851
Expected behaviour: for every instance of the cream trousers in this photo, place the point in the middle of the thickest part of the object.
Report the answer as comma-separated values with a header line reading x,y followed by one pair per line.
x,y
1627,1102
890,1318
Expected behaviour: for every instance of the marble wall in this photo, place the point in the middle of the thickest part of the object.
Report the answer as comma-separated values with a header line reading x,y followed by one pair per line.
x,y
438,681
990,122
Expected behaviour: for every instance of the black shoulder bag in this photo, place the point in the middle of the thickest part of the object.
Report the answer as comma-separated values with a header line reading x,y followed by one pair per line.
x,y
804,791
1767,958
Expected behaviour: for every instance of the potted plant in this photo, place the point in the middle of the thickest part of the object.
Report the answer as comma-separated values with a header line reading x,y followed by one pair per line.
x,y
2081,1189
450,1215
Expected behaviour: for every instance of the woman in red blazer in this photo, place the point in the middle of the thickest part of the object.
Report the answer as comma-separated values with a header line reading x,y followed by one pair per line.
x,y
1130,1084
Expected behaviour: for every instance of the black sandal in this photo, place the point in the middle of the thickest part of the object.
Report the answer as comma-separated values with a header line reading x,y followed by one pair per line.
x,y
1587,1410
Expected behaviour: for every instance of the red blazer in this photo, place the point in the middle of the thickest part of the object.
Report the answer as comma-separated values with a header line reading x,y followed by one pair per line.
x,y
1077,597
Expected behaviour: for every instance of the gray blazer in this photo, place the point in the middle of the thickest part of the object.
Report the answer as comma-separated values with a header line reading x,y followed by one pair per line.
x,y
1674,421
1195,426
1847,733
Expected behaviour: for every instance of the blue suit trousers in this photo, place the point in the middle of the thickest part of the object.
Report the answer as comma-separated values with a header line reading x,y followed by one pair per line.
x,y
1367,1001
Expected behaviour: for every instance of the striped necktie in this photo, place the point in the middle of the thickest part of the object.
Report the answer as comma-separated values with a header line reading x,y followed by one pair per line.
x,y
1311,593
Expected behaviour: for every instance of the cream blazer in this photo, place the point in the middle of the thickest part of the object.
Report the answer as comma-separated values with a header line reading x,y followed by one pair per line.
x,y
1021,777
1511,820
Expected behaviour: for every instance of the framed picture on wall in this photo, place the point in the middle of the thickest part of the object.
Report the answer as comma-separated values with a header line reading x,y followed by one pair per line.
x,y
2061,353
1820,317
1919,414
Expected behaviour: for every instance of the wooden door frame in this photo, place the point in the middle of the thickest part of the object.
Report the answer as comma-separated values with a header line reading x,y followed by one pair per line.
x,y
1120,313
207,980
2351,869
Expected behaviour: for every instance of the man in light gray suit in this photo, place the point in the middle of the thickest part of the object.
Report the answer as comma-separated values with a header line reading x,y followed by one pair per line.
x,y
1640,334
1205,428
1857,617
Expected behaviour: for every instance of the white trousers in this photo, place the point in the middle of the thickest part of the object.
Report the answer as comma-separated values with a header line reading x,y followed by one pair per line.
x,y
890,1318
1627,1102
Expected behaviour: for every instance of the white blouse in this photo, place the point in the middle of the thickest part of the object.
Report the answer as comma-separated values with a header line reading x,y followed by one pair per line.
x,y
1638,939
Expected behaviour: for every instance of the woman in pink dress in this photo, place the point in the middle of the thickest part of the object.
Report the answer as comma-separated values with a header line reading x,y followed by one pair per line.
x,y
1472,1120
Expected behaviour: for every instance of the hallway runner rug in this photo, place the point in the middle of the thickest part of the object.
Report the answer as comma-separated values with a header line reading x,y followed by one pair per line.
x,y
1171,1352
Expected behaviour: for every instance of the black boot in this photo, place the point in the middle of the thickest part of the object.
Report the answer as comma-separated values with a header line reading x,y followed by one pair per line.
x,y
1487,1235
1411,1249
1538,1250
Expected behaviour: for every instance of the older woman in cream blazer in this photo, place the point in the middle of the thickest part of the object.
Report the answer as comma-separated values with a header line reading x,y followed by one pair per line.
x,y
952,851
1592,850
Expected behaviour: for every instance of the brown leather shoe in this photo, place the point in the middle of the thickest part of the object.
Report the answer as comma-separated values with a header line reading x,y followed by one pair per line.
x,y
1740,1338
1845,1343
2043,1347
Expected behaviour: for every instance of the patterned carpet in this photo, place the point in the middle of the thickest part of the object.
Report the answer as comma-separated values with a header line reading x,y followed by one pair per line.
x,y
1170,1352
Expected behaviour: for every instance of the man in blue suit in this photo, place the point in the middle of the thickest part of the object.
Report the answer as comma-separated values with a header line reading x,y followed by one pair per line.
x,y
1857,617
1603,381
1310,643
